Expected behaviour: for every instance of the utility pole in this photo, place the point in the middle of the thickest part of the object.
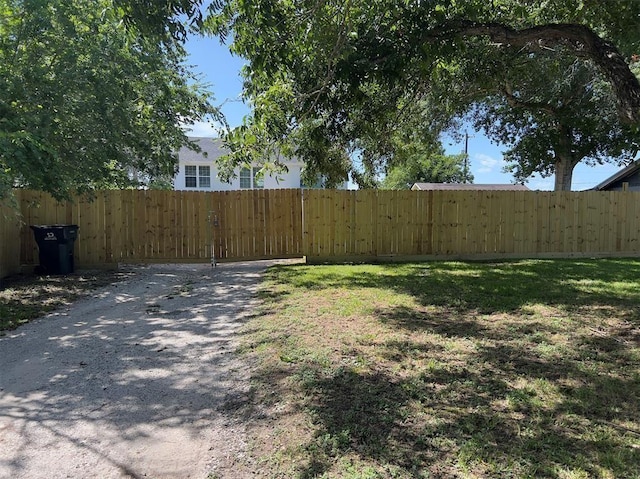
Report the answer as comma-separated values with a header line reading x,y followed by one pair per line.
x,y
466,154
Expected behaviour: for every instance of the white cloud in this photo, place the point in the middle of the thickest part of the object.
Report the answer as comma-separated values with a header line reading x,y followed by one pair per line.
x,y
488,164
544,184
203,129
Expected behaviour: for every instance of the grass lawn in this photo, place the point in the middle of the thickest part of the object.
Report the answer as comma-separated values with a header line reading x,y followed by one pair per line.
x,y
470,370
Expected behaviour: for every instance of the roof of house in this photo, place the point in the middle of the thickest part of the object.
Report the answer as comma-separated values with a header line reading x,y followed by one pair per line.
x,y
468,187
621,175
212,146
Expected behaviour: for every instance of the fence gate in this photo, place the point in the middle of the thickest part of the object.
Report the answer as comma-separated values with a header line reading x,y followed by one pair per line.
x,y
171,226
255,224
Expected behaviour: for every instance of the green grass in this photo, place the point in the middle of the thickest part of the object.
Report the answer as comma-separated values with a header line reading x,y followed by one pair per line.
x,y
517,369
27,297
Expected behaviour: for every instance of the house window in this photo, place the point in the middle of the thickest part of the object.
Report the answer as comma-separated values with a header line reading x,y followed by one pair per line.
x,y
197,176
245,178
251,178
258,179
317,184
204,176
190,179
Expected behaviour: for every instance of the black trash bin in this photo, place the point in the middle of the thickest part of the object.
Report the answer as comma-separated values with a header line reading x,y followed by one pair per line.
x,y
55,243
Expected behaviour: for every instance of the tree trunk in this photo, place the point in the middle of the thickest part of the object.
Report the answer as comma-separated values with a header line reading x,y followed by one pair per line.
x,y
564,174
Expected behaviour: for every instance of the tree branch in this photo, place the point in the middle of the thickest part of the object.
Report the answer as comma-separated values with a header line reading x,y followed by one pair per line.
x,y
516,102
584,41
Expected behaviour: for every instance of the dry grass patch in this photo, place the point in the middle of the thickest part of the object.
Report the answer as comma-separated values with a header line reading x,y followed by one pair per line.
x,y
27,297
520,369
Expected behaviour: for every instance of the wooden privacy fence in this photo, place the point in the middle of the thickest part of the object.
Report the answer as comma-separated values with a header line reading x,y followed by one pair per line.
x,y
9,241
367,225
327,225
170,226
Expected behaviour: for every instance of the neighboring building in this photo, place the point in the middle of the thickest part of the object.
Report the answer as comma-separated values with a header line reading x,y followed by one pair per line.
x,y
198,172
627,179
467,187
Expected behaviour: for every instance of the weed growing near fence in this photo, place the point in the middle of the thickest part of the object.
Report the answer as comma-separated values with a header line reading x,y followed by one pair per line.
x,y
517,369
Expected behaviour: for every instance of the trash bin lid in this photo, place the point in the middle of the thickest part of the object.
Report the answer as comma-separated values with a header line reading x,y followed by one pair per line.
x,y
55,232
55,226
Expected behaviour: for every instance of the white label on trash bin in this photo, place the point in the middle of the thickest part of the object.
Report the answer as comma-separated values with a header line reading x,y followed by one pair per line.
x,y
50,236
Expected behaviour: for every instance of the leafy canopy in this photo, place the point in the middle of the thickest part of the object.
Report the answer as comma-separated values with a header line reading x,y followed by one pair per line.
x,y
550,121
420,166
87,102
331,81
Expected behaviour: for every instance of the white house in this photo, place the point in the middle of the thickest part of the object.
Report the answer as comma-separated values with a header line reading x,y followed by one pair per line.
x,y
198,172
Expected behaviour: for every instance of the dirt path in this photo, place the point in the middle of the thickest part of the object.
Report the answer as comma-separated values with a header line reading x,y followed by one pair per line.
x,y
134,381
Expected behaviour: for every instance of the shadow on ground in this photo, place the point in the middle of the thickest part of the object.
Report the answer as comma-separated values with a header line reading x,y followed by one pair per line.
x,y
108,378
487,287
470,383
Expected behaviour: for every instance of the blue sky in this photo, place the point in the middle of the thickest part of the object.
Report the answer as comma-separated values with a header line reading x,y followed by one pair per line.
x,y
220,70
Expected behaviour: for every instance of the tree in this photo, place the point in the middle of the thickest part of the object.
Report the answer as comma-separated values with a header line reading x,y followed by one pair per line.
x,y
420,166
84,100
550,132
328,78
162,19
549,126
412,154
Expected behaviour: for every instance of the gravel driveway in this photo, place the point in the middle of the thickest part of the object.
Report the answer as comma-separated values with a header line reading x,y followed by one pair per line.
x,y
134,381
